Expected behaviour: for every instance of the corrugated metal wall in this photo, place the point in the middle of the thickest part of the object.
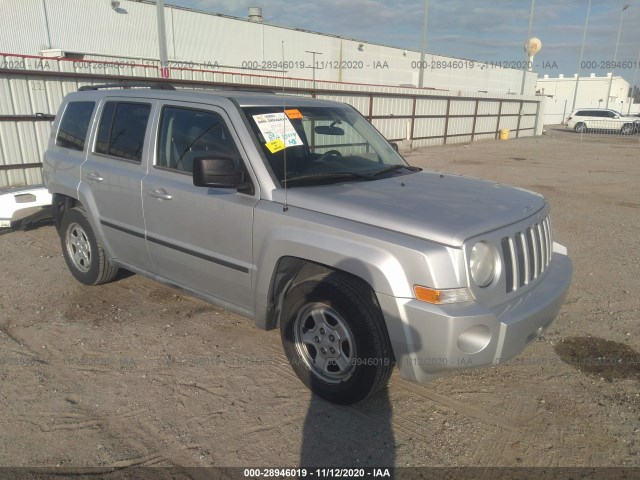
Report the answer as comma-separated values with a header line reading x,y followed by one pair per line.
x,y
30,96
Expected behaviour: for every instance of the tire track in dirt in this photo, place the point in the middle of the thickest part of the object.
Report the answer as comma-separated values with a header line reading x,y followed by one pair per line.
x,y
461,408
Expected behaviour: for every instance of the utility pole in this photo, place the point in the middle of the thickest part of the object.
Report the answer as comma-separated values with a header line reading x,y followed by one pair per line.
x,y
524,72
633,84
615,53
423,50
314,65
584,38
162,40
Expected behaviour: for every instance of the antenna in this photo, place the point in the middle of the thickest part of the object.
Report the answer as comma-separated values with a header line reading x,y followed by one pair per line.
x,y
284,129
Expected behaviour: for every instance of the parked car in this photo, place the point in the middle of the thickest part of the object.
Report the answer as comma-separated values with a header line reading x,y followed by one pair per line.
x,y
297,213
602,119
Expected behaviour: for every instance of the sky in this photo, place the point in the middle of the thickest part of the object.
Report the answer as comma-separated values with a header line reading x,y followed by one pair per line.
x,y
481,30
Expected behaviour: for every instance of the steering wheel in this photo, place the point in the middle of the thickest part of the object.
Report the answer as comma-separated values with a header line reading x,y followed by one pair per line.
x,y
333,154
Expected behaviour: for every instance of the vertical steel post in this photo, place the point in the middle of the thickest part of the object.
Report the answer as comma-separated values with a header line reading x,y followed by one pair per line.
x,y
615,52
162,40
424,44
584,38
524,72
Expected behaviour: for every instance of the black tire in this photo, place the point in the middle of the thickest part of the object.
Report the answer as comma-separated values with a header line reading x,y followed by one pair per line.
x,y
339,314
580,127
627,129
82,251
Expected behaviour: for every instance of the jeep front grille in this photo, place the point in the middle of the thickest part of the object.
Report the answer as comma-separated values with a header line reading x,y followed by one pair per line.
x,y
527,254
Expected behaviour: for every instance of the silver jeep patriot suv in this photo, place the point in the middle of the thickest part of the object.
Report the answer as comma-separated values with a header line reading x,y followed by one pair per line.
x,y
297,213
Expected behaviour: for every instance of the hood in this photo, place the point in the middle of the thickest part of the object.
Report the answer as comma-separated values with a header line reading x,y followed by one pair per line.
x,y
444,208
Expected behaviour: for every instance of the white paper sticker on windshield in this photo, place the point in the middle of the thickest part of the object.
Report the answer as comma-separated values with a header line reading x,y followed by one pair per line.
x,y
277,126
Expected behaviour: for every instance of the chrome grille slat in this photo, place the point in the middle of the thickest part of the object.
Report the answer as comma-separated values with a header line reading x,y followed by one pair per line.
x,y
547,237
527,254
543,247
514,262
534,250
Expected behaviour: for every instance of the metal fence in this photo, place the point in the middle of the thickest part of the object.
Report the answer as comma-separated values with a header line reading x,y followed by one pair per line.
x,y
29,98
609,127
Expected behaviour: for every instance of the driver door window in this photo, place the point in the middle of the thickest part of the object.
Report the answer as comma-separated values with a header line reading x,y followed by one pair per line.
x,y
186,134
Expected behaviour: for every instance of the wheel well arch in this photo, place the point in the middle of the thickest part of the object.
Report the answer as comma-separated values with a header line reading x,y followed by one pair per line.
x,y
290,271
60,203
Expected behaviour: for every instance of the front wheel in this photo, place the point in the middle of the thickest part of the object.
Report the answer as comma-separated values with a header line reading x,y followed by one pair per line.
x,y
82,251
580,128
334,336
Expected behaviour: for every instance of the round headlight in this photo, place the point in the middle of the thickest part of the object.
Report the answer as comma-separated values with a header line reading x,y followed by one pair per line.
x,y
483,263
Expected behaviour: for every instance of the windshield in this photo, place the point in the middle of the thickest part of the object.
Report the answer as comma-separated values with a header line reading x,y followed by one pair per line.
x,y
315,145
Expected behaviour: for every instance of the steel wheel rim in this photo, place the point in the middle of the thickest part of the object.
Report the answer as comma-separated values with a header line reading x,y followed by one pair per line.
x,y
325,343
78,247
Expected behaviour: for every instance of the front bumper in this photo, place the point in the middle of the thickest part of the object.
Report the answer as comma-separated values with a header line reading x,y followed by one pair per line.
x,y
431,340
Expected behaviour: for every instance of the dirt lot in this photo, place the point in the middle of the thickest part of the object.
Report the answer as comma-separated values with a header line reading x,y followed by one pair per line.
x,y
136,374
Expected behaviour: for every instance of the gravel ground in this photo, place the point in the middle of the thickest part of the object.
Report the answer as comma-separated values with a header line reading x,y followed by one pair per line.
x,y
136,374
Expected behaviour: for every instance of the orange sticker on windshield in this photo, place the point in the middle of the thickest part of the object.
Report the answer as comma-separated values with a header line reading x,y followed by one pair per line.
x,y
293,113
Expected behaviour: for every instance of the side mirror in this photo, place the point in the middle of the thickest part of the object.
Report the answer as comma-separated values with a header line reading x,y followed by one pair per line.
x,y
394,145
217,173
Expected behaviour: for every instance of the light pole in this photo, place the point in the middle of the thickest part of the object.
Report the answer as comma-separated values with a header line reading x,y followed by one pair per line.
x,y
524,72
424,44
314,65
584,38
162,40
615,53
633,83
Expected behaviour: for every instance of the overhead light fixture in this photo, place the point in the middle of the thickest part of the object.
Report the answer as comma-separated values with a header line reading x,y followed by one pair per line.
x,y
360,47
115,4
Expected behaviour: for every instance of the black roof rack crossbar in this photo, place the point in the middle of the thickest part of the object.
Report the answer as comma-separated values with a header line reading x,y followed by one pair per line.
x,y
242,88
160,86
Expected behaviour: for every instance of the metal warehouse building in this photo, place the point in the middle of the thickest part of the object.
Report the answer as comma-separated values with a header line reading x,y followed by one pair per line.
x,y
51,47
592,93
90,29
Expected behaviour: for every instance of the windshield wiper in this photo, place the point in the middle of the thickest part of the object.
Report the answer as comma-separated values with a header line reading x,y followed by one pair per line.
x,y
392,168
320,177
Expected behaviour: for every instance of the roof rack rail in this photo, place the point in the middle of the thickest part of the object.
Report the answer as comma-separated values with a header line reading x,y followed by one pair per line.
x,y
160,86
242,88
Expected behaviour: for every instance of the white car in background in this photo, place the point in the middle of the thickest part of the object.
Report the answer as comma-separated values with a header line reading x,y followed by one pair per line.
x,y
602,119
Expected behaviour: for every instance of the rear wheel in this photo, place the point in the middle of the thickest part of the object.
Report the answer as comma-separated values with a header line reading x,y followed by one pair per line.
x,y
580,127
627,129
334,336
82,251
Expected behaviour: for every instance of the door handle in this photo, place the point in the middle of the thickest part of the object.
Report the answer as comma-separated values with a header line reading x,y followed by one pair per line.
x,y
159,193
94,177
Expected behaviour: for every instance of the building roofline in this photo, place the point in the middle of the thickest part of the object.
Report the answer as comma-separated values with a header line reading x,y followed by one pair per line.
x,y
295,29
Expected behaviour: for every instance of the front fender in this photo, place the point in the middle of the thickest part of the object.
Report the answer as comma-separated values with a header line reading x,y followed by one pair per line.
x,y
388,261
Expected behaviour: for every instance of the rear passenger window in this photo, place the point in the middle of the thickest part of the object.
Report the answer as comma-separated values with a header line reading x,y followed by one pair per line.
x,y
187,134
74,125
122,128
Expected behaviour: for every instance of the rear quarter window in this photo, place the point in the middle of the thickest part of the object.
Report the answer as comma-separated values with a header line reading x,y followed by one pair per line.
x,y
122,129
72,132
